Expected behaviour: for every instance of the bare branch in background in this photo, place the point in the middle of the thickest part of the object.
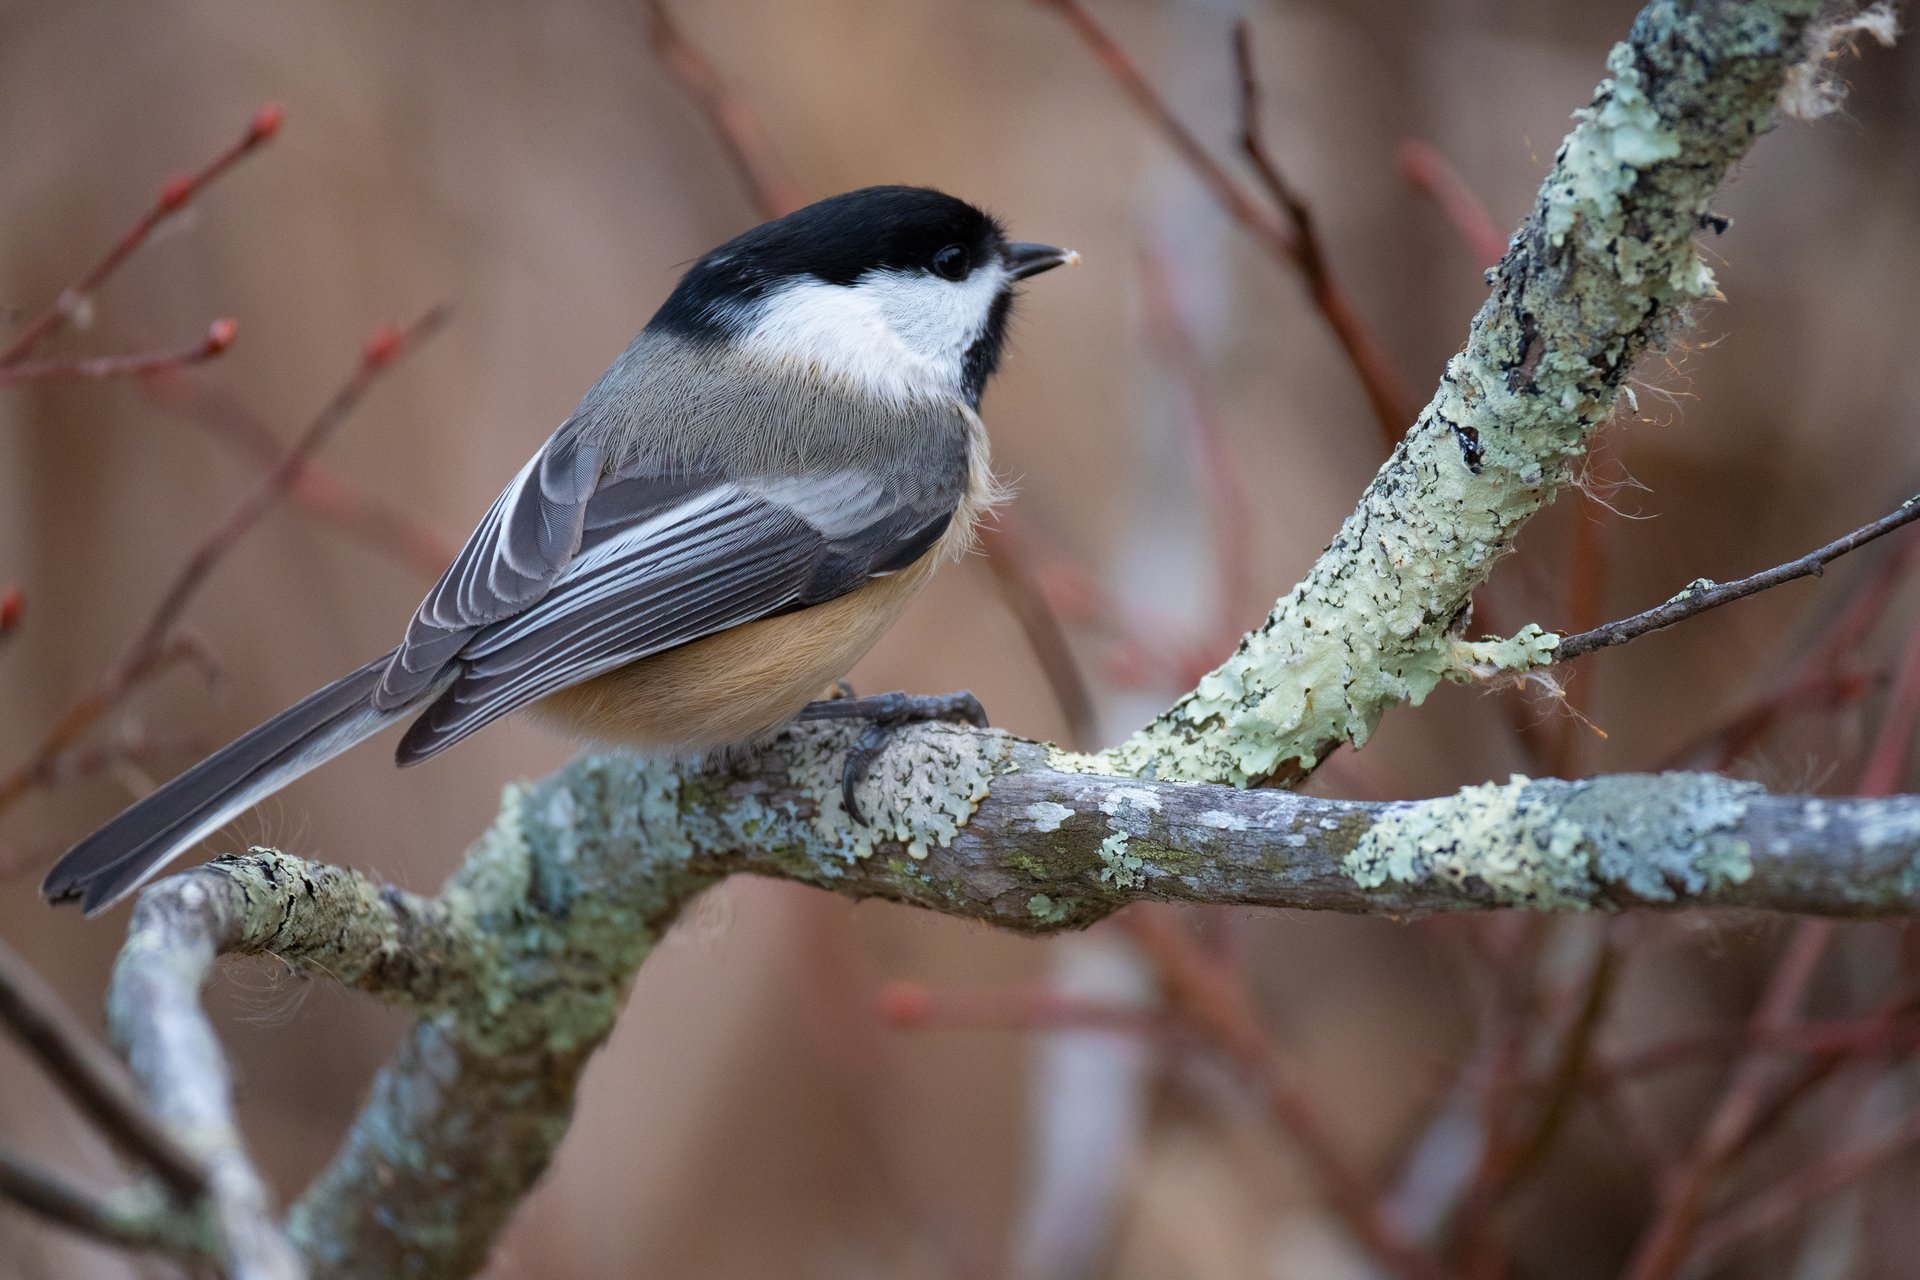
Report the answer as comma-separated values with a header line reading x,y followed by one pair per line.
x,y
1430,173
96,1083
1386,389
737,126
151,647
220,335
1704,594
1284,228
176,195
127,1220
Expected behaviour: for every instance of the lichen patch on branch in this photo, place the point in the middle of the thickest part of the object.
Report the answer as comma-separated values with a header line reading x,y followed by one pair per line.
x,y
1604,842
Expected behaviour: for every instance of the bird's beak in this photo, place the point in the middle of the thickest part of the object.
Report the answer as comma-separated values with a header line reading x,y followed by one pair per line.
x,y
1025,260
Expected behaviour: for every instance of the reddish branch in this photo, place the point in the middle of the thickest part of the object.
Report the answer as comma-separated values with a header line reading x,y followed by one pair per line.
x,y
316,488
736,125
1668,1240
1284,227
152,645
1427,171
176,195
220,335
1210,996
1386,391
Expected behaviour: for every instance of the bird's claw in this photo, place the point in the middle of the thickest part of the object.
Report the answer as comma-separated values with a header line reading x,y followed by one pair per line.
x,y
886,712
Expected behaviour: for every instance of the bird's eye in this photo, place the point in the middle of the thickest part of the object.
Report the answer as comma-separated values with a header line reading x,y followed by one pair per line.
x,y
951,262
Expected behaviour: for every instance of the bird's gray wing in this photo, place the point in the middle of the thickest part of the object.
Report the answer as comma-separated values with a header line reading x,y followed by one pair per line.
x,y
514,555
661,561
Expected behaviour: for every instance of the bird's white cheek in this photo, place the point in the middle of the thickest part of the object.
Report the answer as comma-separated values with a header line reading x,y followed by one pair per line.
x,y
844,333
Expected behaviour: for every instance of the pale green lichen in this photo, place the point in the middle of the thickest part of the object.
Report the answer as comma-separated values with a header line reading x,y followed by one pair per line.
x,y
1555,844
1124,869
1521,652
919,793
1048,816
1621,134
1046,910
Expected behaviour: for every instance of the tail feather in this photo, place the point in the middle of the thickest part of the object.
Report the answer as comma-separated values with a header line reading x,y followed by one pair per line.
x,y
119,857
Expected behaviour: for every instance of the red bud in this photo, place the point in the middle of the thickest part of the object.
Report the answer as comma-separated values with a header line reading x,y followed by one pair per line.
x,y
383,346
220,335
266,122
12,602
175,193
905,1003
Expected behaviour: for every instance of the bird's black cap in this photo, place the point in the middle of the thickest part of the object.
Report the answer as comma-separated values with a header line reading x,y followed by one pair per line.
x,y
837,240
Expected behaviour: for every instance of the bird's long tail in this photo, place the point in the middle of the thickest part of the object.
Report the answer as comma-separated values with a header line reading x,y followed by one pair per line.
x,y
119,857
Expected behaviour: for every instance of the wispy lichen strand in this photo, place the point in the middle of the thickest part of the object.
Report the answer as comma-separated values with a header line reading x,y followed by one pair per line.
x,y
1604,268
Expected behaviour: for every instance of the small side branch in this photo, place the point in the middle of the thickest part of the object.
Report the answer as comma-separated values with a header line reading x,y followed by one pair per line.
x,y
1704,594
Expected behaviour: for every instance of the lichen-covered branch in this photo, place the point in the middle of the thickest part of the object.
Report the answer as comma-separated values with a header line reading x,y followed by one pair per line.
x,y
520,967
1603,268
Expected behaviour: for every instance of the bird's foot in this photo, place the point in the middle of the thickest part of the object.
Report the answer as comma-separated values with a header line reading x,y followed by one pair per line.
x,y
886,712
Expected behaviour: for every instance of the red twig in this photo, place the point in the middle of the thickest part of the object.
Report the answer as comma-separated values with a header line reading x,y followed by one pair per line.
x,y
1222,479
1892,746
1839,1037
1428,172
736,125
1667,1241
220,335
150,644
1009,555
45,763
176,195
1211,998
13,605
1791,1196
1285,227
316,488
1818,671
1386,390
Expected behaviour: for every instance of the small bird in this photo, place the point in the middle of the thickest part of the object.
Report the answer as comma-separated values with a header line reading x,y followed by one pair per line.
x,y
735,512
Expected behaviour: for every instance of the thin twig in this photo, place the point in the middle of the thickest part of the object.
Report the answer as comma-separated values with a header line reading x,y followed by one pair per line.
x,y
1386,390
1792,1195
1222,479
124,1221
145,652
1222,1009
42,765
1704,595
176,195
738,128
386,345
1427,171
95,1082
1665,1244
220,335
1285,228
317,489
1887,760
1009,556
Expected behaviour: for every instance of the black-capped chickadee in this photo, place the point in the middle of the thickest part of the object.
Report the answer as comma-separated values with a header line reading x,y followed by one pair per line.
x,y
729,520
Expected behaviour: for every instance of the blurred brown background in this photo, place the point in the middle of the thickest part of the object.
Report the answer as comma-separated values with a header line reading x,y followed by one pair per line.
x,y
533,165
